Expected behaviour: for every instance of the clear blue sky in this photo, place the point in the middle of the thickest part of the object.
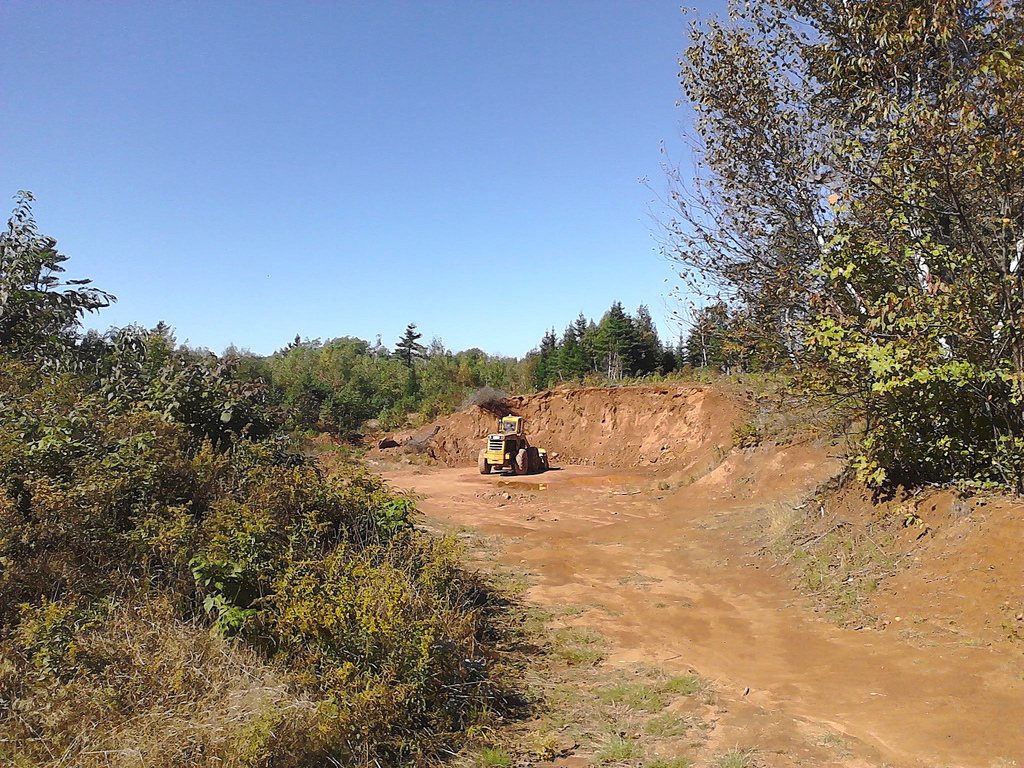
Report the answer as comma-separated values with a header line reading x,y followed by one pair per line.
x,y
247,171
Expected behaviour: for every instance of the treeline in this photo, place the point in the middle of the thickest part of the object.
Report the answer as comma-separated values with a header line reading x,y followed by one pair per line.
x,y
623,346
346,384
859,209
179,587
340,384
618,346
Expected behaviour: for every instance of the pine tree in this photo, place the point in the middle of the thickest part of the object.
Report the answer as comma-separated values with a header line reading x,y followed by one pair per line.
x,y
408,349
547,360
616,343
648,352
589,344
572,356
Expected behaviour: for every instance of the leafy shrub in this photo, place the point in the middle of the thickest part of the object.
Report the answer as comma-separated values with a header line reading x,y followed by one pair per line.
x,y
746,435
133,542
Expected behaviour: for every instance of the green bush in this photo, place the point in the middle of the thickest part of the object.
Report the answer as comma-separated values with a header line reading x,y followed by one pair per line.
x,y
134,546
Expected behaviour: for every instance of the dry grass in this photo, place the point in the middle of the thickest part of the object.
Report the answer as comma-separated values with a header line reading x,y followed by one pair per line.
x,y
154,691
838,561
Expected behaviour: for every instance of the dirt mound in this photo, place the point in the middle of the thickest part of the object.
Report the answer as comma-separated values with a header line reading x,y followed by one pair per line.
x,y
668,429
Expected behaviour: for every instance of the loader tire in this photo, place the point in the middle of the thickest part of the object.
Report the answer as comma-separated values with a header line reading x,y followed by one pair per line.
x,y
533,459
482,464
522,462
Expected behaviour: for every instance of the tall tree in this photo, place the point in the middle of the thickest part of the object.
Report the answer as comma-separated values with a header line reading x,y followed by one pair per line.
x,y
862,196
648,349
547,370
572,356
39,312
408,349
750,228
616,343
706,339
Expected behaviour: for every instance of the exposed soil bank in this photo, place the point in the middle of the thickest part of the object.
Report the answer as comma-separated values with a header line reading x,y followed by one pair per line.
x,y
659,543
669,429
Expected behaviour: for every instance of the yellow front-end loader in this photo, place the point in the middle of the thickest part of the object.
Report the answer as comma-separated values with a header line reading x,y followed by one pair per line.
x,y
508,448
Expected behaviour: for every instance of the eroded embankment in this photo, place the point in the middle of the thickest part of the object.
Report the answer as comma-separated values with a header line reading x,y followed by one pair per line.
x,y
672,430
910,620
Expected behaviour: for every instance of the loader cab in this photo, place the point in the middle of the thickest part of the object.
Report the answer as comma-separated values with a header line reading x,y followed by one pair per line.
x,y
503,445
511,425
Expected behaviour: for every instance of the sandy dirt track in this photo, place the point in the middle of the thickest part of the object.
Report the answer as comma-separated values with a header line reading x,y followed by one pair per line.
x,y
678,575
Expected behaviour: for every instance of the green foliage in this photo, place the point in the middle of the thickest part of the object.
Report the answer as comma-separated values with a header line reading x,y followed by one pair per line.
x,y
578,647
229,593
735,758
672,762
616,343
114,491
408,349
493,758
618,347
178,587
861,206
667,724
638,696
337,386
39,313
746,435
618,749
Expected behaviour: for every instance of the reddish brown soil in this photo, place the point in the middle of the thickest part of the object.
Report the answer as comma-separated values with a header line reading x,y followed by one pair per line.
x,y
671,429
962,573
679,582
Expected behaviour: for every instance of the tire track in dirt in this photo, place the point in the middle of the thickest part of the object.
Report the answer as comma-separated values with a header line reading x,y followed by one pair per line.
x,y
679,584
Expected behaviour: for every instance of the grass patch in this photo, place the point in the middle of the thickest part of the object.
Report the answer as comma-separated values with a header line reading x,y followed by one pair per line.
x,y
667,725
835,741
637,580
839,562
654,696
534,619
492,758
578,646
735,758
618,749
691,685
645,698
511,583
572,610
604,608
671,762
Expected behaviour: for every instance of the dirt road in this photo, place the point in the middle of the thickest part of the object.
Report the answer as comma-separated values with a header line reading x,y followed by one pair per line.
x,y
672,576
